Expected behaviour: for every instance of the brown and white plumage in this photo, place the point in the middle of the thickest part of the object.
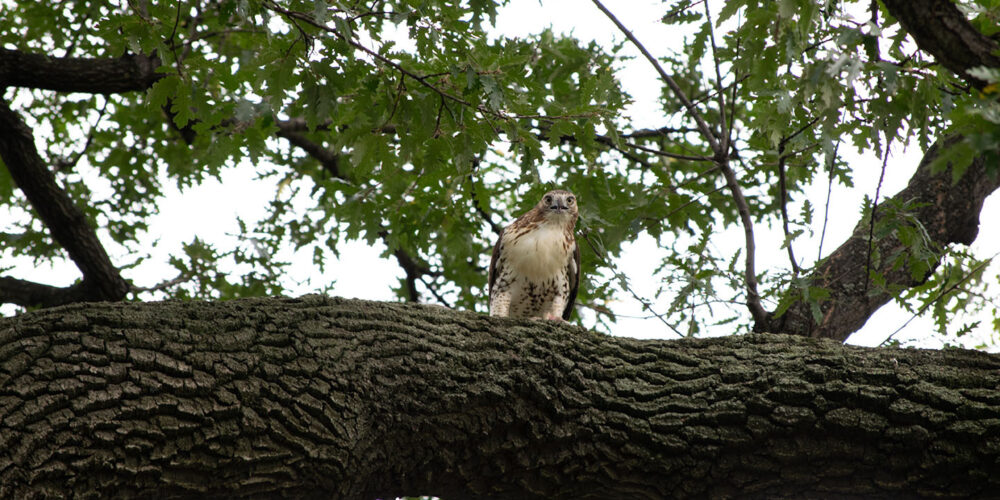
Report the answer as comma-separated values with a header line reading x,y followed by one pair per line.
x,y
535,270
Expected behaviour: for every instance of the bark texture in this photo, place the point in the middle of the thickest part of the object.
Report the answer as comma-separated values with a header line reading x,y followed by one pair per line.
x,y
948,211
328,398
941,30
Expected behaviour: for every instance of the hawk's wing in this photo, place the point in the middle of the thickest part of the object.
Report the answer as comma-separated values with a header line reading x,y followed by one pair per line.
x,y
573,274
494,272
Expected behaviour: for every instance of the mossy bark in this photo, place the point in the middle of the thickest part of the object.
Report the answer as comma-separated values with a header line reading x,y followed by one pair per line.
x,y
329,398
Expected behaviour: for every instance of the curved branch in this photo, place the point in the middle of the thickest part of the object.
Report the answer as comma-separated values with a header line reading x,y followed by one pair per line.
x,y
327,158
703,127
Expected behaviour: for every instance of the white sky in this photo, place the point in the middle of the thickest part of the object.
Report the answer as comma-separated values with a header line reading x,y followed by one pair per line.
x,y
209,211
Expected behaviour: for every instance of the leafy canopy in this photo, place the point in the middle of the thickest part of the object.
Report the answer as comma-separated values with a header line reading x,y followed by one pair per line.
x,y
413,123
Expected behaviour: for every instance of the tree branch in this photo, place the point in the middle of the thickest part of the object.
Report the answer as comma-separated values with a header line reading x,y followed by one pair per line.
x,y
941,30
77,74
65,221
757,311
31,294
783,191
328,159
330,398
783,200
706,131
948,212
720,157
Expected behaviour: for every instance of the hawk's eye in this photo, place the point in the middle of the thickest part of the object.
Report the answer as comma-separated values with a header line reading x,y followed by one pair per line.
x,y
548,200
570,200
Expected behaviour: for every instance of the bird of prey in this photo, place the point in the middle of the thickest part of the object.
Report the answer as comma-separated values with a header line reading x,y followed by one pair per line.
x,y
535,270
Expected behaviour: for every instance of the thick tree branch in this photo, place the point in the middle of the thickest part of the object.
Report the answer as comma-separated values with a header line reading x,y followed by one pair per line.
x,y
65,221
31,294
948,212
328,159
328,398
941,30
78,74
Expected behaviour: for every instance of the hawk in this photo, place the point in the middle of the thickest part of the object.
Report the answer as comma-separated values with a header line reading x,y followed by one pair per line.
x,y
535,270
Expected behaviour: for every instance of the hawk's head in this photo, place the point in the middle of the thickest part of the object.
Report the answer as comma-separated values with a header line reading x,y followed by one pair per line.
x,y
558,206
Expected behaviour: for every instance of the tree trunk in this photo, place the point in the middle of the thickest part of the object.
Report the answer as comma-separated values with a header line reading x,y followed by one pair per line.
x,y
330,398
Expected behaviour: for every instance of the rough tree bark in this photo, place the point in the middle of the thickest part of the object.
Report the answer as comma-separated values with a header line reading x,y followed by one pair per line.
x,y
947,210
329,398
950,211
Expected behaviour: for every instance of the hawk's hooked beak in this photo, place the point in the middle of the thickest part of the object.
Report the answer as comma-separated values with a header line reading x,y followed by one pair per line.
x,y
558,205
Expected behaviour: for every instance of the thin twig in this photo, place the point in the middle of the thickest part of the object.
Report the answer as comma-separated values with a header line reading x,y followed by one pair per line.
x,y
657,132
783,199
829,192
497,228
667,154
941,295
170,40
64,164
646,305
706,131
181,278
721,95
871,222
750,275
693,201
783,192
434,292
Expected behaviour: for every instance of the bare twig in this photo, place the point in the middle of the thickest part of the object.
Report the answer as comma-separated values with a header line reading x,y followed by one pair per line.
x,y
706,131
181,278
434,292
783,199
750,275
666,154
64,164
647,133
645,304
783,192
724,138
871,222
497,228
829,192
